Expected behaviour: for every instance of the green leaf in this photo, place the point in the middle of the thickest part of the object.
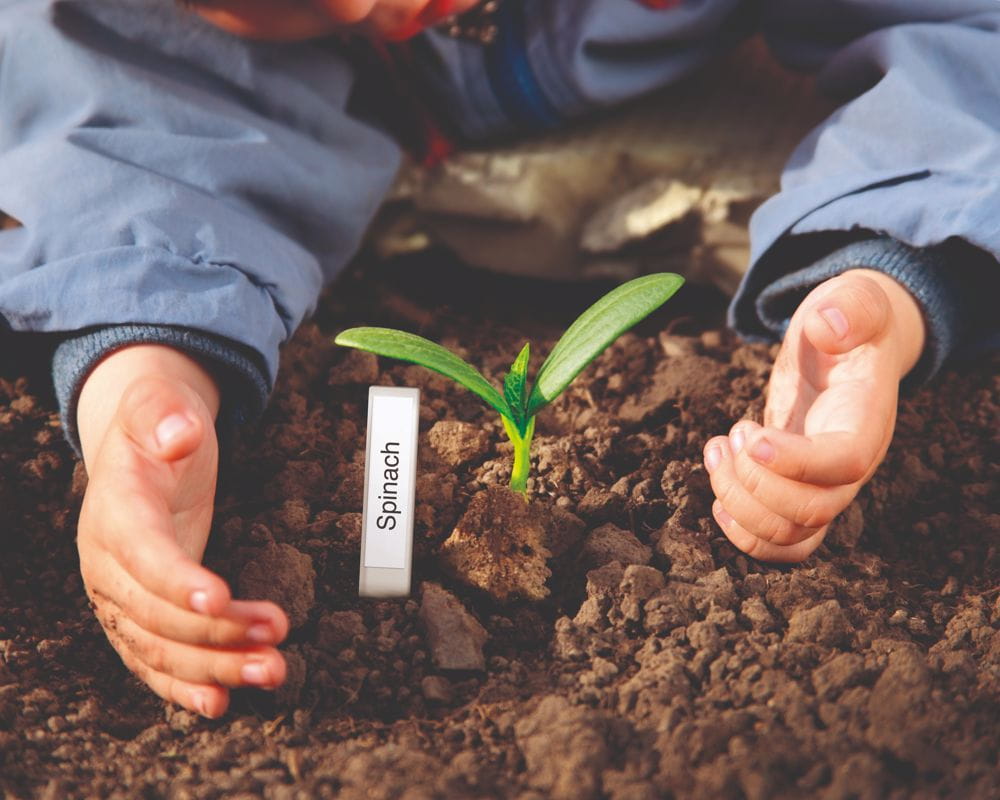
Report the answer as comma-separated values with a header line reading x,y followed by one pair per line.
x,y
418,350
515,385
595,329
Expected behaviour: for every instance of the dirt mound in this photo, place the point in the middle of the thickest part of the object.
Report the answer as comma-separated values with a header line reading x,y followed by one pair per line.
x,y
662,662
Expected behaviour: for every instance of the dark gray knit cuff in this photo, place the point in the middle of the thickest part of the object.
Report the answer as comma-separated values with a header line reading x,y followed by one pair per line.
x,y
243,384
936,284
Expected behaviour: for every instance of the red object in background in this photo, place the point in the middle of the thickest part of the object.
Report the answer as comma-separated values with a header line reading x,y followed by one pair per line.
x,y
661,3
430,14
435,11
421,133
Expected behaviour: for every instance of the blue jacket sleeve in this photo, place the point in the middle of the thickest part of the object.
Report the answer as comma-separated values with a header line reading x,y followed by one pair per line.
x,y
554,61
904,178
169,176
909,165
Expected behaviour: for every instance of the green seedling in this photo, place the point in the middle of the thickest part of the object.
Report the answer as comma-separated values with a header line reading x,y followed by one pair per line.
x,y
584,340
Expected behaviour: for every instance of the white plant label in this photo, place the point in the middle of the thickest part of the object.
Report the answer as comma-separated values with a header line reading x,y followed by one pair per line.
x,y
390,488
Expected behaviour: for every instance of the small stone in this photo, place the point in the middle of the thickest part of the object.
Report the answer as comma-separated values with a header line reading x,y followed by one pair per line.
x,y
845,531
602,589
601,505
458,443
825,624
711,340
436,689
898,617
454,636
676,346
610,543
719,587
348,529
918,626
690,557
756,612
639,584
338,629
564,531
284,575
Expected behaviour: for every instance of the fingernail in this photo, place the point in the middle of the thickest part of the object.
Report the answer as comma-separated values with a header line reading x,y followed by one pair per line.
x,y
199,601
260,633
201,703
762,451
836,320
737,438
712,458
170,428
254,673
721,514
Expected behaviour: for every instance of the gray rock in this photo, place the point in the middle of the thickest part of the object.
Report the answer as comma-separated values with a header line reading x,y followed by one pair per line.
x,y
454,636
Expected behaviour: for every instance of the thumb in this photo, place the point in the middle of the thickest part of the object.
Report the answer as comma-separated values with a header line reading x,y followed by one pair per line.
x,y
845,312
162,417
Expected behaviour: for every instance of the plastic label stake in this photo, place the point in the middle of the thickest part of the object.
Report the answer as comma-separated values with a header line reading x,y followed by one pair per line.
x,y
390,490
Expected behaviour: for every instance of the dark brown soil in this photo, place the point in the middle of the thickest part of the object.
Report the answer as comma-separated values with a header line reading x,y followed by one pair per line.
x,y
662,662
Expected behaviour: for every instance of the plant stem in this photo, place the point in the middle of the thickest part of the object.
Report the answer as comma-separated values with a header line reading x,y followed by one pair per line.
x,y
522,455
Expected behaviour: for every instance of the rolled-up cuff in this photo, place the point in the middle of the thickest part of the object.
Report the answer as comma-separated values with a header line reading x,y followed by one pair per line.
x,y
929,274
243,385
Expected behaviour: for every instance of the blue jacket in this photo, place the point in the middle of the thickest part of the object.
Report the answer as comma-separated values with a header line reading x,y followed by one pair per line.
x,y
182,186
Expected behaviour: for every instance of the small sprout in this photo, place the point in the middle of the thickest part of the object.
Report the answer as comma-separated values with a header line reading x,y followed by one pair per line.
x,y
584,340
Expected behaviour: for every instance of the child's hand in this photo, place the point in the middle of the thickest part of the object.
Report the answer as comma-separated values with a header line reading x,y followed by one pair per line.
x,y
146,426
829,418
279,20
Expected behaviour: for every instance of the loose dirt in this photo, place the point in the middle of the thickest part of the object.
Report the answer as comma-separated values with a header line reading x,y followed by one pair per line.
x,y
654,660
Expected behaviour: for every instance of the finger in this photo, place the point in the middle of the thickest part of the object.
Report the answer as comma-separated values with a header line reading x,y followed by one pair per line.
x,y
831,459
130,518
209,700
760,549
752,515
138,536
806,504
153,558
845,312
261,667
162,417
241,623
256,20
